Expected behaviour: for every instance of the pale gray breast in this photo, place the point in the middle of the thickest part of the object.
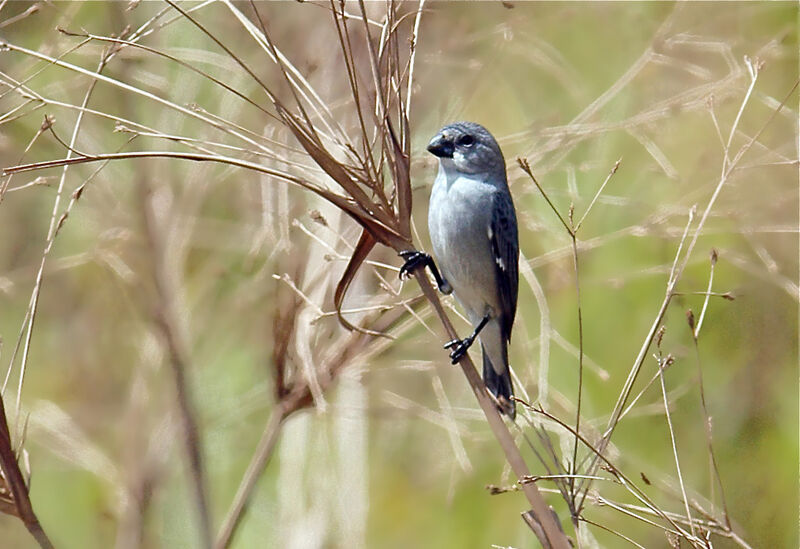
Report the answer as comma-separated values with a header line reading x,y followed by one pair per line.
x,y
459,218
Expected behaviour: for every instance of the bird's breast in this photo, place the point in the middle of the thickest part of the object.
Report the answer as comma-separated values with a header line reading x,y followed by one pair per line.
x,y
459,218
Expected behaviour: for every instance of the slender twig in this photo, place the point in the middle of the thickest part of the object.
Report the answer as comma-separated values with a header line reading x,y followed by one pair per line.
x,y
708,294
28,312
612,531
177,61
414,38
661,362
523,163
630,486
553,534
13,479
165,318
127,87
574,464
572,229
254,469
676,271
51,233
634,372
707,429
597,194
291,400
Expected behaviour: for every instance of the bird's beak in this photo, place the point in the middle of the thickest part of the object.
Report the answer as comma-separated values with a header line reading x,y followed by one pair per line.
x,y
441,146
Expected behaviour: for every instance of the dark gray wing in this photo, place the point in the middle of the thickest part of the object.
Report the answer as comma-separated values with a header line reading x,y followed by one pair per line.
x,y
505,251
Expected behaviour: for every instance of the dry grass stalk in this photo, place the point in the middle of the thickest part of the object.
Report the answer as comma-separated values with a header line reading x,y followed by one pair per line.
x,y
365,173
14,498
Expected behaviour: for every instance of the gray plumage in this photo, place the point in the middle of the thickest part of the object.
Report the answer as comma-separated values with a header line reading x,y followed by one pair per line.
x,y
473,229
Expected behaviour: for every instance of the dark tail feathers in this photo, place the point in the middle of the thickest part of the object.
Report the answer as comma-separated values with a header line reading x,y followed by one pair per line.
x,y
500,386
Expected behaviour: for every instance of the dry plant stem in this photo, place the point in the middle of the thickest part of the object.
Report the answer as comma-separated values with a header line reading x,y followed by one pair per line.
x,y
679,263
708,294
51,234
345,203
15,482
553,536
707,428
292,399
661,362
618,534
717,478
166,321
8,460
620,477
633,374
260,459
127,87
574,464
572,229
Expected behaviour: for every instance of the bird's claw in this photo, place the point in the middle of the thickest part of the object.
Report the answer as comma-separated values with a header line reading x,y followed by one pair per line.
x,y
413,259
460,347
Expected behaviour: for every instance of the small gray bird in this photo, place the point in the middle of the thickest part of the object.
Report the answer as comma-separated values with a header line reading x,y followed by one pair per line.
x,y
473,228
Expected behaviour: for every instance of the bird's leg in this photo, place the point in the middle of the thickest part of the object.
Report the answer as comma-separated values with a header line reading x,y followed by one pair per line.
x,y
414,259
460,346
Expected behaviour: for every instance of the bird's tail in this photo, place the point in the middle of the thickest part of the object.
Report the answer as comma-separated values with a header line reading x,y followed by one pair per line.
x,y
500,386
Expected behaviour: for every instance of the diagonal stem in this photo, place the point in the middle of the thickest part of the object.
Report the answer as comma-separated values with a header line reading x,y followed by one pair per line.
x,y
551,535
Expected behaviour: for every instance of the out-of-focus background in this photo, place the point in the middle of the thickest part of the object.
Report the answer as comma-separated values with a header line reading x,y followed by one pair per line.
x,y
396,452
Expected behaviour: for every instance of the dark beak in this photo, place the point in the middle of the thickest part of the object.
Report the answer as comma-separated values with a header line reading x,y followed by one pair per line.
x,y
441,146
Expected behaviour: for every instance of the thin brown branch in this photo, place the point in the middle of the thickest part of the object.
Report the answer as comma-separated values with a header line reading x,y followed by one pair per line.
x,y
523,163
15,482
661,362
345,203
176,60
574,463
707,429
291,399
632,488
256,466
166,320
553,536
597,194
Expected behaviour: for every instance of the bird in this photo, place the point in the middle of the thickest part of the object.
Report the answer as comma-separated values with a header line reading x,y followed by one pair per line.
x,y
473,228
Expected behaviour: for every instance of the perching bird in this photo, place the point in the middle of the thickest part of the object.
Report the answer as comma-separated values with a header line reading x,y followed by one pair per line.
x,y
473,229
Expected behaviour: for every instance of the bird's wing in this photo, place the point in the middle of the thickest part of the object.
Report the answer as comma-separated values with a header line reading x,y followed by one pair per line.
x,y
505,251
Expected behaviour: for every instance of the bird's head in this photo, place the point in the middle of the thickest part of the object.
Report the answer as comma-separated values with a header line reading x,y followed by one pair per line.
x,y
468,148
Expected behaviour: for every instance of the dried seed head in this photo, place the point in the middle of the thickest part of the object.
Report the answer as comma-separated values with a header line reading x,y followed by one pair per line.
x,y
317,216
673,540
660,335
48,122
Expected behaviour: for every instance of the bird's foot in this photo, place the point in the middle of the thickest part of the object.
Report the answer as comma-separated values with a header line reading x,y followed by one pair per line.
x,y
459,348
413,259
416,259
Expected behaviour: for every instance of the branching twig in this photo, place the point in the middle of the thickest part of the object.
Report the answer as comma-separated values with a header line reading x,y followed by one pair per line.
x,y
166,320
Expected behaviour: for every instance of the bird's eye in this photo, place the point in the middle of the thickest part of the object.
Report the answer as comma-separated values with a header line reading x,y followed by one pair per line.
x,y
466,140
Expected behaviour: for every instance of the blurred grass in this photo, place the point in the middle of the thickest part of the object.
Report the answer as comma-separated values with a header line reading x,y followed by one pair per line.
x,y
521,72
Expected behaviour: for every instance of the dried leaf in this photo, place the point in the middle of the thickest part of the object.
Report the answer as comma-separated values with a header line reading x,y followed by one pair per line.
x,y
402,179
364,246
